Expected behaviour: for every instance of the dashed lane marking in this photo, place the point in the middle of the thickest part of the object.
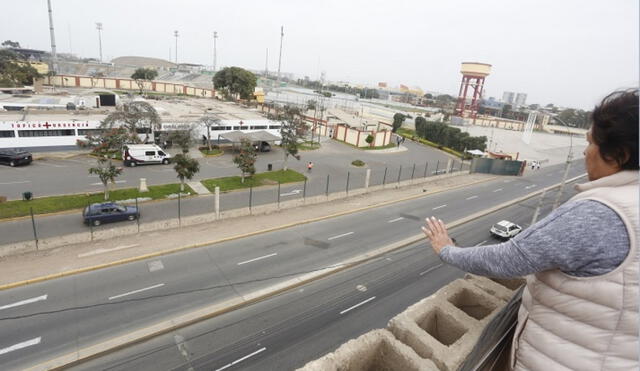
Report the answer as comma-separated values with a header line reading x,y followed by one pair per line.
x,y
137,291
241,359
430,269
395,220
357,305
439,207
24,344
24,302
340,235
472,197
258,258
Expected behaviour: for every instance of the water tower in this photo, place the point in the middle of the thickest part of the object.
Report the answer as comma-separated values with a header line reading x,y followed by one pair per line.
x,y
473,74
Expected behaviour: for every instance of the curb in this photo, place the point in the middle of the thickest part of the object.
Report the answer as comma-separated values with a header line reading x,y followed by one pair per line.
x,y
163,327
213,242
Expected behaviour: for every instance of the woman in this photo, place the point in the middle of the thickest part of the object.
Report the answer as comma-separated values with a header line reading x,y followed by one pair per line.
x,y
580,305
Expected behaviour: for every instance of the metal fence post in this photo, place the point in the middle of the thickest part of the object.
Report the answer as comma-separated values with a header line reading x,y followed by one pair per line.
x,y
384,177
278,194
437,166
426,166
33,224
461,162
399,174
327,190
348,174
250,197
179,209
90,223
413,171
138,216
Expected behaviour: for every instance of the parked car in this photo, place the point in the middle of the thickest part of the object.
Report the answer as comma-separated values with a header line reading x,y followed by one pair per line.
x,y
505,229
107,212
138,154
15,157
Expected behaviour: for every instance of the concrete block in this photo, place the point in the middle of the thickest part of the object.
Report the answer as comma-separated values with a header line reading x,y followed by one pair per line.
x,y
375,350
503,289
446,326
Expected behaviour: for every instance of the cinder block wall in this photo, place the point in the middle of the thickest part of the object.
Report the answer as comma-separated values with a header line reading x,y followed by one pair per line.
x,y
436,333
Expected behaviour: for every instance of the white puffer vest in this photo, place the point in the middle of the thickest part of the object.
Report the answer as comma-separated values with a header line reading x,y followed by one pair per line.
x,y
585,323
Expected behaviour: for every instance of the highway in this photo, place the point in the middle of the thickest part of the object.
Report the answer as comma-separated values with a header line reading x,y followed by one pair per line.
x,y
42,320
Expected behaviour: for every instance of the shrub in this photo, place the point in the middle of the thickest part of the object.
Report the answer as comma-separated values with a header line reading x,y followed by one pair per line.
x,y
358,163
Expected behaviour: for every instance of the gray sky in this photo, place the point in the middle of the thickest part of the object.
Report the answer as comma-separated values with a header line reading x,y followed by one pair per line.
x,y
568,52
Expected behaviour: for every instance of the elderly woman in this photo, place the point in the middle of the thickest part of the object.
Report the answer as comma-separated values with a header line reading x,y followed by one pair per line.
x,y
580,305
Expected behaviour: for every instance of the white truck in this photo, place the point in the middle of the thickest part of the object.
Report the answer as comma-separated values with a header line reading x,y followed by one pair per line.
x,y
141,154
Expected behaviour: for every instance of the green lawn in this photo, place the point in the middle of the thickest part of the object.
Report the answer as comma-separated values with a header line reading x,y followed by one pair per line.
x,y
214,151
44,205
412,134
268,178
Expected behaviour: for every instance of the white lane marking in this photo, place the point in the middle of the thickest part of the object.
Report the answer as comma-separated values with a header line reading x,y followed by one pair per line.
x,y
21,182
294,192
395,220
430,269
53,165
23,302
241,359
102,251
24,344
531,186
550,174
481,243
117,182
357,305
340,235
497,190
439,207
137,291
258,258
472,197
507,181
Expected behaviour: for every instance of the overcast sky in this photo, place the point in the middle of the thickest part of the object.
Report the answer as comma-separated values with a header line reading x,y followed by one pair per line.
x,y
568,52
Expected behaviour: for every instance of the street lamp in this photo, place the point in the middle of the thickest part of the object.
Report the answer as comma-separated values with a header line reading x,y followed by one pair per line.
x,y
175,33
567,164
99,28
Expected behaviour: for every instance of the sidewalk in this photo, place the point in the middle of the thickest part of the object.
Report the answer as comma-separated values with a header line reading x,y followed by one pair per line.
x,y
62,261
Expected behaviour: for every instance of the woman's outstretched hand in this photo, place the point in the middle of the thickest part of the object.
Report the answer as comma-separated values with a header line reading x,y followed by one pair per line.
x,y
436,233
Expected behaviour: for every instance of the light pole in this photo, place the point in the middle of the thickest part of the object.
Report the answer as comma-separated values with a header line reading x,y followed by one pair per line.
x,y
215,38
175,33
280,57
567,164
99,28
54,56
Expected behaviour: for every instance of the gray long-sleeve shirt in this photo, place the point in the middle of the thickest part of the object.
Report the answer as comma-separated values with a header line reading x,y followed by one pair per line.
x,y
581,238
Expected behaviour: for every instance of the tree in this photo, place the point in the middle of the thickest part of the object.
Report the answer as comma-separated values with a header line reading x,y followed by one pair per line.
x,y
209,121
135,117
107,173
246,158
398,119
186,167
291,131
15,70
110,140
235,81
369,139
10,44
144,74
311,104
184,138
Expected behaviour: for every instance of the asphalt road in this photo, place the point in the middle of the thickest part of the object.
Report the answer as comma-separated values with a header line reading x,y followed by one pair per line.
x,y
289,330
52,176
339,176
45,319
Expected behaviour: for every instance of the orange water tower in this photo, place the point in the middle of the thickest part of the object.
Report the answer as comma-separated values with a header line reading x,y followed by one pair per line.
x,y
473,74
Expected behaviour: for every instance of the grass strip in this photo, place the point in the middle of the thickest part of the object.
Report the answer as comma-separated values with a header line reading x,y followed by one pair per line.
x,y
412,135
261,179
51,204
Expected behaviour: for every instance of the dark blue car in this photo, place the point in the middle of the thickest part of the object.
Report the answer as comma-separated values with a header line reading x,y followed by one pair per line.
x,y
107,212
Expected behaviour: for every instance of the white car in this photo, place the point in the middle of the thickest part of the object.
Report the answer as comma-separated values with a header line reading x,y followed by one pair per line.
x,y
505,229
141,154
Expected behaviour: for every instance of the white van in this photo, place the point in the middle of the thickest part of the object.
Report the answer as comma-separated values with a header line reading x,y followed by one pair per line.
x,y
140,154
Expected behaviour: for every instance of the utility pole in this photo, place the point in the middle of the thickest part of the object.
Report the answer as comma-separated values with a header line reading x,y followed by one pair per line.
x,y
215,37
53,39
175,33
280,58
99,28
566,166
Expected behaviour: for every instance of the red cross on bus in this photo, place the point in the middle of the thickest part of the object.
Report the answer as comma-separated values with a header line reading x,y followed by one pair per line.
x,y
46,125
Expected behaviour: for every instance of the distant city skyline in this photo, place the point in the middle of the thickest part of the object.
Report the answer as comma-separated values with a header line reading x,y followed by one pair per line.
x,y
569,53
